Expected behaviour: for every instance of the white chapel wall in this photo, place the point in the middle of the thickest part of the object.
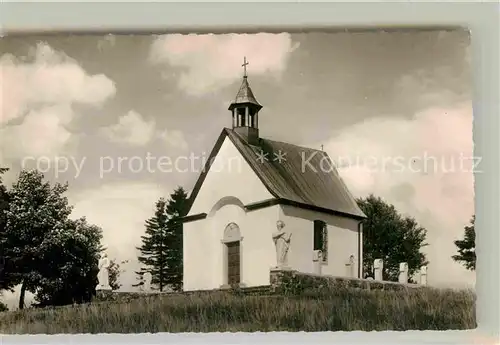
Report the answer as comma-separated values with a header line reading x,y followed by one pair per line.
x,y
196,257
229,184
342,240
204,265
257,247
230,175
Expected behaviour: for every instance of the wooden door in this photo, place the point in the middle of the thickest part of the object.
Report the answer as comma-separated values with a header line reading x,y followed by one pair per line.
x,y
233,263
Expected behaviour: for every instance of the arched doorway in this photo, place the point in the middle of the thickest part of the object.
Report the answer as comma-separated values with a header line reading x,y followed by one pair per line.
x,y
232,254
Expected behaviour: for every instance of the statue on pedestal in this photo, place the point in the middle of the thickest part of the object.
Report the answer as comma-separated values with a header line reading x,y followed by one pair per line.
x,y
282,242
103,275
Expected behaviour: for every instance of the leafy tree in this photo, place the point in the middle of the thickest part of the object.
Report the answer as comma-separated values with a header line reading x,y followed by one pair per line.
x,y
176,208
467,247
389,236
35,209
71,257
161,250
114,273
152,250
5,282
50,255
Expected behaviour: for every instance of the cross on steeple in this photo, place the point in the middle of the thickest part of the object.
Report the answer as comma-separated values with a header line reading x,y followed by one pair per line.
x,y
245,63
245,110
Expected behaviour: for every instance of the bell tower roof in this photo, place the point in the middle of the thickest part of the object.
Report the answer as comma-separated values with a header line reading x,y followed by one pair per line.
x,y
245,95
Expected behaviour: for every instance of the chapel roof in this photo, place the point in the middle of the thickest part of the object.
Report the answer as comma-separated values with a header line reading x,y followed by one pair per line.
x,y
317,185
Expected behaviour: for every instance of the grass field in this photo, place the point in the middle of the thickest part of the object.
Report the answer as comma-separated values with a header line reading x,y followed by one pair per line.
x,y
342,309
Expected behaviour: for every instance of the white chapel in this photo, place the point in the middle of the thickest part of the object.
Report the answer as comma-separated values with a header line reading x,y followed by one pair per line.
x,y
260,205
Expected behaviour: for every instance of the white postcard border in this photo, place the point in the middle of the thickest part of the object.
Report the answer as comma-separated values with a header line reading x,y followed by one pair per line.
x,y
482,18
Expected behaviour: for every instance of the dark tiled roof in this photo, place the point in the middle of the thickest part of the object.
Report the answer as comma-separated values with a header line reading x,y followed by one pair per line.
x,y
316,184
245,94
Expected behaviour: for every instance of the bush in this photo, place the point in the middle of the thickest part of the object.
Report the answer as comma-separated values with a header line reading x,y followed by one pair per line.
x,y
3,307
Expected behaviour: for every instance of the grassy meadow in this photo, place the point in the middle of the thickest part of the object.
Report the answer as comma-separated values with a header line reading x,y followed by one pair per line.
x,y
339,310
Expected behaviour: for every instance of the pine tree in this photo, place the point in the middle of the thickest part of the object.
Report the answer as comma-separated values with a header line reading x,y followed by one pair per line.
x,y
176,208
467,247
152,250
140,279
161,250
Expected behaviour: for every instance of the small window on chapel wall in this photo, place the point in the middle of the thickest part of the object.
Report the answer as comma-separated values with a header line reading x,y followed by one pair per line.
x,y
321,238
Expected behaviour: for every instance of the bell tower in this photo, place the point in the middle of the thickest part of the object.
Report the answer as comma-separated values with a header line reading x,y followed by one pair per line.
x,y
245,110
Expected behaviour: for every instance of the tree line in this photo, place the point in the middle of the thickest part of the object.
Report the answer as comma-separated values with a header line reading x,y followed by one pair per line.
x,y
55,257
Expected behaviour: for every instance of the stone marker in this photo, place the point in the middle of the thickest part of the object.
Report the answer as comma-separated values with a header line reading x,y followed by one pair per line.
x,y
403,273
423,275
378,267
147,282
317,258
350,266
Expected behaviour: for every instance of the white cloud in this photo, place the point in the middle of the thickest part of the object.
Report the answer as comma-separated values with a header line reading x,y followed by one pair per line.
x,y
42,133
37,94
209,62
173,138
121,210
441,199
132,129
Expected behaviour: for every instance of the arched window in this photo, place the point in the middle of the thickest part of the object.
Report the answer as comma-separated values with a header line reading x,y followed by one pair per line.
x,y
232,233
321,238
232,254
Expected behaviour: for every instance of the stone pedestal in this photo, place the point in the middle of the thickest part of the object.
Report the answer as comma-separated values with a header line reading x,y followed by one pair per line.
x,y
103,288
282,268
103,294
276,274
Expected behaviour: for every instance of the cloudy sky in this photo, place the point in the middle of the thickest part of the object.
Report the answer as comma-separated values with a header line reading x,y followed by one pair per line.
x,y
368,97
